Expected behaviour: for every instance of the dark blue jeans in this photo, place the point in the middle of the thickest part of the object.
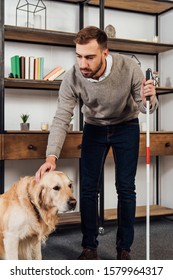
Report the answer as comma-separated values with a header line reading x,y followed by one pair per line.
x,y
124,140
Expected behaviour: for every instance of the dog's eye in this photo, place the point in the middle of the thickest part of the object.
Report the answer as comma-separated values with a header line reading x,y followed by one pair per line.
x,y
70,186
56,188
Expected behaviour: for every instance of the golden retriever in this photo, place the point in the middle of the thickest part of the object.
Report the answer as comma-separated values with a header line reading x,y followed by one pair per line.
x,y
28,214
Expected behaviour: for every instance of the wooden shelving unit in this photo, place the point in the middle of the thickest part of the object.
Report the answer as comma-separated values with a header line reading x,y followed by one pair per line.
x,y
16,145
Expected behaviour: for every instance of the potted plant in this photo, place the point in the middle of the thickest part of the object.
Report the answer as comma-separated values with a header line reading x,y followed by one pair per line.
x,y
24,125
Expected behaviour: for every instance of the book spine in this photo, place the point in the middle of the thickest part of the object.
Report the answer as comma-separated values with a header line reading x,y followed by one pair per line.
x,y
31,67
17,61
22,67
15,66
41,68
36,69
27,75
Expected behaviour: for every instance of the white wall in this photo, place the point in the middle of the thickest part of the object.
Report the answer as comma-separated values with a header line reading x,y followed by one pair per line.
x,y
41,105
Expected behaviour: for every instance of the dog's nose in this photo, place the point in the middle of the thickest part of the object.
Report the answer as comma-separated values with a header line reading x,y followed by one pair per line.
x,y
72,203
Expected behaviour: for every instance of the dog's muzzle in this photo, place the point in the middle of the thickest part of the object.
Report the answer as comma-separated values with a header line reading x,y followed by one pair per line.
x,y
72,203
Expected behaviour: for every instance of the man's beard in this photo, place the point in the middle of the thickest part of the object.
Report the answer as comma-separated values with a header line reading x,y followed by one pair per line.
x,y
89,73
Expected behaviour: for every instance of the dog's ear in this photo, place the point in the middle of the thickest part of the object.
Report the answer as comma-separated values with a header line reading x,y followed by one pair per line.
x,y
42,198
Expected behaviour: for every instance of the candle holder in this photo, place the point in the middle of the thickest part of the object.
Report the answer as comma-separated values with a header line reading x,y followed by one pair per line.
x,y
44,126
31,6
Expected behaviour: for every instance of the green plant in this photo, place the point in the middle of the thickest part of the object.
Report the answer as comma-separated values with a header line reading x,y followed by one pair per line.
x,y
24,117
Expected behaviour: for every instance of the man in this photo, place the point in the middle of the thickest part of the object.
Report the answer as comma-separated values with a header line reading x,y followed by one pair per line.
x,y
113,91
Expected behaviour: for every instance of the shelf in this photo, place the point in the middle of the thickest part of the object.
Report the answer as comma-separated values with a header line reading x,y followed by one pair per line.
x,y
111,214
155,210
164,90
135,46
50,37
152,7
55,85
38,36
32,84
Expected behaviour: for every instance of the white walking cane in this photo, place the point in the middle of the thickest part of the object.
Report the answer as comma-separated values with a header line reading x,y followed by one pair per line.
x,y
148,72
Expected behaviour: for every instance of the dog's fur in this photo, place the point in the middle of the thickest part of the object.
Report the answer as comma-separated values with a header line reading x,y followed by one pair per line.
x,y
28,214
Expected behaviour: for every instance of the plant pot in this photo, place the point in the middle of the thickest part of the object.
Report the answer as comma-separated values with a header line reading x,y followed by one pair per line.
x,y
24,126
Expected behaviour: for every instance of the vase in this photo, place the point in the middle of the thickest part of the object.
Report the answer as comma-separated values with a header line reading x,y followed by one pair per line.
x,y
24,126
110,31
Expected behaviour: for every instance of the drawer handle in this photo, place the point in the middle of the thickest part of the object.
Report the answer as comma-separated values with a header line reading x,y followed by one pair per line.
x,y
79,146
31,147
167,144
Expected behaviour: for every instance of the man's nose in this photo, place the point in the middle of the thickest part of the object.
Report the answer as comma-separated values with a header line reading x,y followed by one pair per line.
x,y
83,63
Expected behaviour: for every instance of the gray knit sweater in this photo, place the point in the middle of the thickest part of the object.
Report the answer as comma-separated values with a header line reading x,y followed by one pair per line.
x,y
111,101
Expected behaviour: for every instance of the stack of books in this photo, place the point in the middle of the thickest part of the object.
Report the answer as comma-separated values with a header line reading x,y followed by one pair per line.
x,y
27,67
54,74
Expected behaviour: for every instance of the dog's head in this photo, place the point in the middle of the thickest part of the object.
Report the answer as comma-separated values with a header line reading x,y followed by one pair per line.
x,y
57,191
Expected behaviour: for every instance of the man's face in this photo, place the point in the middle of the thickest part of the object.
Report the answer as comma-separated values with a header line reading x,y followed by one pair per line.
x,y
91,59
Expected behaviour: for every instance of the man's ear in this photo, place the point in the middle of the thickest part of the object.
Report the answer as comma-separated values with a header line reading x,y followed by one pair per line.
x,y
105,52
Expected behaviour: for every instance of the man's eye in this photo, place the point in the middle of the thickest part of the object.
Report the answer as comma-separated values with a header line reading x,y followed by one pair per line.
x,y
57,188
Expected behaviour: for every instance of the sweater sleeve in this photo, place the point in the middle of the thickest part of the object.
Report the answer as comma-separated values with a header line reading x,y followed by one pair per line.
x,y
65,105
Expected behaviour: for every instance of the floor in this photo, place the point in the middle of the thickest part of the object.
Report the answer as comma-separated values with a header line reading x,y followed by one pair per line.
x,y
65,243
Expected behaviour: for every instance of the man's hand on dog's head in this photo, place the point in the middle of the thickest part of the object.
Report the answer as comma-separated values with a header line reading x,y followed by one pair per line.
x,y
49,165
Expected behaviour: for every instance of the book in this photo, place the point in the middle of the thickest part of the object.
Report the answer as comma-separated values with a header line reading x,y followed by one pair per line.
x,y
56,75
56,72
22,67
31,67
41,59
36,69
26,67
15,66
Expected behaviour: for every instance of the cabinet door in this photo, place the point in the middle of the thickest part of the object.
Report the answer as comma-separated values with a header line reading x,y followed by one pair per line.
x,y
24,145
72,146
33,146
160,144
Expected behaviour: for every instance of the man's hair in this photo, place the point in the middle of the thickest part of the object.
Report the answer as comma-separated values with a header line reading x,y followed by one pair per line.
x,y
85,35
